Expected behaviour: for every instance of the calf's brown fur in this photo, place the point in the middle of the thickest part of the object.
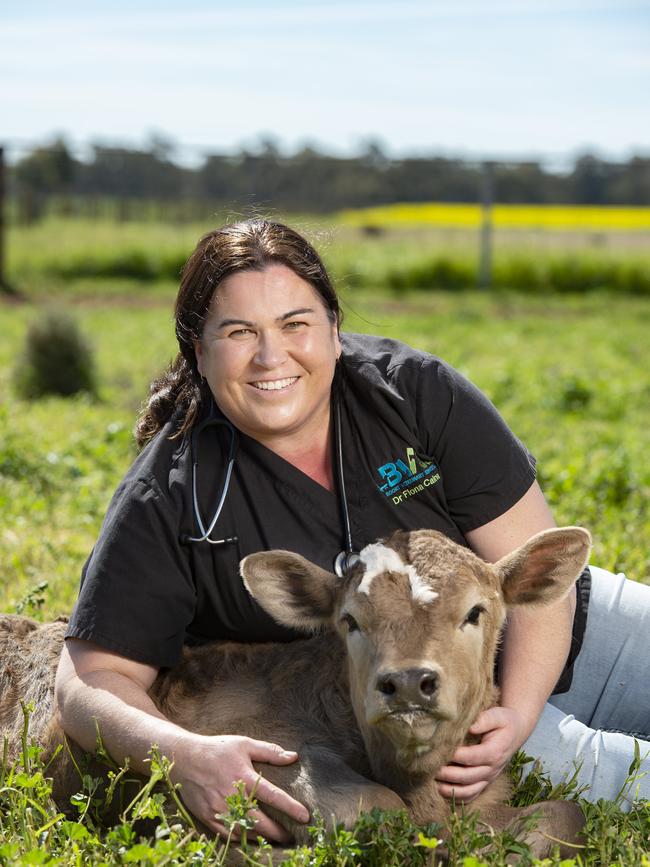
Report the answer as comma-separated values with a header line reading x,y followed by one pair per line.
x,y
375,703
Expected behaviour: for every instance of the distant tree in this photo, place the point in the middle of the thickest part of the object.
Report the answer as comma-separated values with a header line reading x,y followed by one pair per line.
x,y
521,182
45,171
129,173
262,176
421,179
161,146
215,179
588,181
374,154
269,146
631,185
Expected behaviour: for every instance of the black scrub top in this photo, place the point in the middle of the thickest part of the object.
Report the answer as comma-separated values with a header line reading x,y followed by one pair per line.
x,y
421,447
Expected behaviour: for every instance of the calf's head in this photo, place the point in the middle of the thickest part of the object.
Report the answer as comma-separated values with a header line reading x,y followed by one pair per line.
x,y
420,617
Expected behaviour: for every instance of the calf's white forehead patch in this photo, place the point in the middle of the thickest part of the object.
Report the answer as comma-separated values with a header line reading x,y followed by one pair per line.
x,y
378,558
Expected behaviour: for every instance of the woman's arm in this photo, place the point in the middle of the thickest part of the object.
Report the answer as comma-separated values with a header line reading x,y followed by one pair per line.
x,y
535,648
95,684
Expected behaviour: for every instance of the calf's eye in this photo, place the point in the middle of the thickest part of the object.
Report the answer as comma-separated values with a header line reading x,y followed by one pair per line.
x,y
350,622
474,615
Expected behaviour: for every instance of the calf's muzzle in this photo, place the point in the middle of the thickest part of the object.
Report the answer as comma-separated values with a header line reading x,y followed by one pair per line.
x,y
408,686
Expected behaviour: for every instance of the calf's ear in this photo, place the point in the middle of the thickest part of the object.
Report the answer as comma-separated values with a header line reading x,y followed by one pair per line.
x,y
545,567
292,590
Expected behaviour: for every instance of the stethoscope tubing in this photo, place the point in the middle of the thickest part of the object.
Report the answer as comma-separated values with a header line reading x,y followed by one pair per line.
x,y
206,534
346,559
343,561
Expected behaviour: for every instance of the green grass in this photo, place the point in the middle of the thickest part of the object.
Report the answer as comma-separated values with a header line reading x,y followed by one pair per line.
x,y
102,257
569,374
60,459
153,828
78,257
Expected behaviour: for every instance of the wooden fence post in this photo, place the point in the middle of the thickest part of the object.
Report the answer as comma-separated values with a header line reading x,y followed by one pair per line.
x,y
487,197
5,287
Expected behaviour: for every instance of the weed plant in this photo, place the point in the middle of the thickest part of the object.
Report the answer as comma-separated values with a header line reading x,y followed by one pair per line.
x,y
56,359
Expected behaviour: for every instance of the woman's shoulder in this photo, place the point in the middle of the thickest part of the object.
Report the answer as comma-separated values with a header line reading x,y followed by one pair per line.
x,y
385,359
393,380
159,461
381,351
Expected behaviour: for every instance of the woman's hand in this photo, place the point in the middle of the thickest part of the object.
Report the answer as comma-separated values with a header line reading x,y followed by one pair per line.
x,y
208,768
503,731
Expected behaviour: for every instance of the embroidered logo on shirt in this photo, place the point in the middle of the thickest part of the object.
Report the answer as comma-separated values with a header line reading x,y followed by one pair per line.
x,y
402,478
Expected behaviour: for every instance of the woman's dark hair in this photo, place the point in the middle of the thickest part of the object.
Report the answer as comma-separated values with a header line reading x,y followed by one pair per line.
x,y
251,245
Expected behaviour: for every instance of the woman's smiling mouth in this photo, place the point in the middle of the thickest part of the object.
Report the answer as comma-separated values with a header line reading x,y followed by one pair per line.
x,y
275,384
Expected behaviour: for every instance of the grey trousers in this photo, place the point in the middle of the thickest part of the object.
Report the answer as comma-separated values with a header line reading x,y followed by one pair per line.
x,y
594,724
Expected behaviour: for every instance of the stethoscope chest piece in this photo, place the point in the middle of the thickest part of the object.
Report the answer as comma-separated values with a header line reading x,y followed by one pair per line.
x,y
344,561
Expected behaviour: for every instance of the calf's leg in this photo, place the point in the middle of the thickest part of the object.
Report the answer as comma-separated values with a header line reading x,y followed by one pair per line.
x,y
329,788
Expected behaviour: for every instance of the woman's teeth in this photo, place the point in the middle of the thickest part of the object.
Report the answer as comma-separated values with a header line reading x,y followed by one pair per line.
x,y
275,384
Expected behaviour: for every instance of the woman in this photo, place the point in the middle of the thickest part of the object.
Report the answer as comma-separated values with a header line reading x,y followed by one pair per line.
x,y
292,436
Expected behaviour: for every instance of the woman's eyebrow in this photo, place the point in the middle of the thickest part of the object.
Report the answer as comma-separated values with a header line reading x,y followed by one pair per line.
x,y
226,322
299,311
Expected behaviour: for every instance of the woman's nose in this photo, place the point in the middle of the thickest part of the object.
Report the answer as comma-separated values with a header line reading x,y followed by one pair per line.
x,y
271,351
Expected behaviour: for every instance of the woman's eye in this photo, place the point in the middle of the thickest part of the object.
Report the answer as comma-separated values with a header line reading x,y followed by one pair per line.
x,y
294,325
350,622
474,615
240,332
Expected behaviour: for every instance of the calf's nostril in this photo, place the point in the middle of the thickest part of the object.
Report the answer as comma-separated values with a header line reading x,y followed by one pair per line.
x,y
429,684
386,685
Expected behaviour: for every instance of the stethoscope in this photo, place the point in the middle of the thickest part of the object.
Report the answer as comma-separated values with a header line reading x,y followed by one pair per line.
x,y
211,421
343,561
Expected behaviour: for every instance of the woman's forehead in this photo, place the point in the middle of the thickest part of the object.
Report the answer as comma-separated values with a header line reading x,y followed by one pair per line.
x,y
273,291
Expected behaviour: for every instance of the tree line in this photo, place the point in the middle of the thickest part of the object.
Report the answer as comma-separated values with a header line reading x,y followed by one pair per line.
x,y
309,180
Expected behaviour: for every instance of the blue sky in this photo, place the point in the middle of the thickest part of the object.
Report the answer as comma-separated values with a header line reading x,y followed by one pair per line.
x,y
503,78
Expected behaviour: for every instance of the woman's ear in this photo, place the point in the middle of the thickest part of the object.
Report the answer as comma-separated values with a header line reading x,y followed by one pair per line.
x,y
198,352
338,349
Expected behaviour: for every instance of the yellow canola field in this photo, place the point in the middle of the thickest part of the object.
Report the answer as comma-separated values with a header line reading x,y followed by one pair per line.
x,y
558,217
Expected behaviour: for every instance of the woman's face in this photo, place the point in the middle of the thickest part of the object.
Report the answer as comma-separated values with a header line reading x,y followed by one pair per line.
x,y
268,352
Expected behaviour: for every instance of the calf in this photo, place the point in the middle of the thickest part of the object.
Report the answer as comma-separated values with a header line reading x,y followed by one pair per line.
x,y
379,700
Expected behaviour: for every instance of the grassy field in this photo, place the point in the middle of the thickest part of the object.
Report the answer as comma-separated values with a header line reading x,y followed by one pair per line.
x,y
569,373
75,257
